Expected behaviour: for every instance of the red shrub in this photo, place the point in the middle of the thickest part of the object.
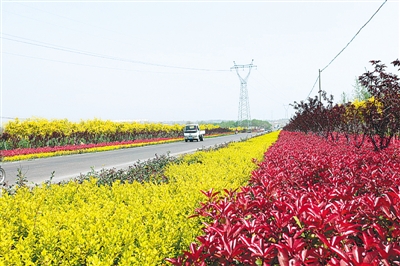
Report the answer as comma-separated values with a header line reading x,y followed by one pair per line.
x,y
311,202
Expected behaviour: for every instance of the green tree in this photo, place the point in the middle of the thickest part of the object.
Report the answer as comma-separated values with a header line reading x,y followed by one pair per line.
x,y
344,98
254,123
360,92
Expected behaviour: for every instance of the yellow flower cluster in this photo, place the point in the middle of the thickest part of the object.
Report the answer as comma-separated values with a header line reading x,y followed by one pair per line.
x,y
45,127
362,104
39,132
122,224
358,109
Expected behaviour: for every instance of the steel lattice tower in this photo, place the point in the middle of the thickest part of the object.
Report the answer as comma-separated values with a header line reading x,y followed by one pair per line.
x,y
244,107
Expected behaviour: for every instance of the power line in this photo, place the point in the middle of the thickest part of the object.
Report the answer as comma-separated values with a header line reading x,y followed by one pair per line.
x,y
265,78
348,43
74,20
79,64
57,26
313,86
86,53
355,35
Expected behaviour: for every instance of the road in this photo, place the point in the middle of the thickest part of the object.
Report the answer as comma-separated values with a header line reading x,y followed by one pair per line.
x,y
70,166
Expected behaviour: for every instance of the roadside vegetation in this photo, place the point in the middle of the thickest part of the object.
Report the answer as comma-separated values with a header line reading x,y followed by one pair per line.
x,y
376,119
326,193
39,138
310,202
40,132
118,221
256,123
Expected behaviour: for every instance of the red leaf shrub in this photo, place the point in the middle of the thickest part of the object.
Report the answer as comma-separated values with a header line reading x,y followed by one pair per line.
x,y
378,119
310,202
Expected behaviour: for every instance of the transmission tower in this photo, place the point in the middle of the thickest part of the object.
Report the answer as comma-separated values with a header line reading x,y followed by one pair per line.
x,y
286,110
244,107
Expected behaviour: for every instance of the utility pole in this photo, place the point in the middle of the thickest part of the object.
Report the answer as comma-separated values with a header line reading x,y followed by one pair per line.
x,y
319,79
244,107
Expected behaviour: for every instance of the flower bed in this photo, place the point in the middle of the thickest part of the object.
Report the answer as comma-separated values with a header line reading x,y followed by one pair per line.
x,y
120,224
311,202
31,153
41,132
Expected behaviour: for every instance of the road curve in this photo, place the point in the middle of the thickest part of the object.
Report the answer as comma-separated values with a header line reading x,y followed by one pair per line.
x,y
66,167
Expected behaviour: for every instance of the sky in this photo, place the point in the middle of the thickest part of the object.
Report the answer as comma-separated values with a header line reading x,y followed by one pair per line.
x,y
160,61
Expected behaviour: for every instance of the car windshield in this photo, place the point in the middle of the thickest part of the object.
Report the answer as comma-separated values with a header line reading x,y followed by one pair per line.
x,y
190,128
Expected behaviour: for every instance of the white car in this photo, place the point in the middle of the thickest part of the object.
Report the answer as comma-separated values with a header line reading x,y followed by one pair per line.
x,y
192,132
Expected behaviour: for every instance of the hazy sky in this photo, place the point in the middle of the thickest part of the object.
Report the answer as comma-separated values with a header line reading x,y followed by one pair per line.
x,y
170,61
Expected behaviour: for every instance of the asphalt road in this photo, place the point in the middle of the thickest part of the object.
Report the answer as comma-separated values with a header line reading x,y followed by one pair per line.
x,y
66,167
